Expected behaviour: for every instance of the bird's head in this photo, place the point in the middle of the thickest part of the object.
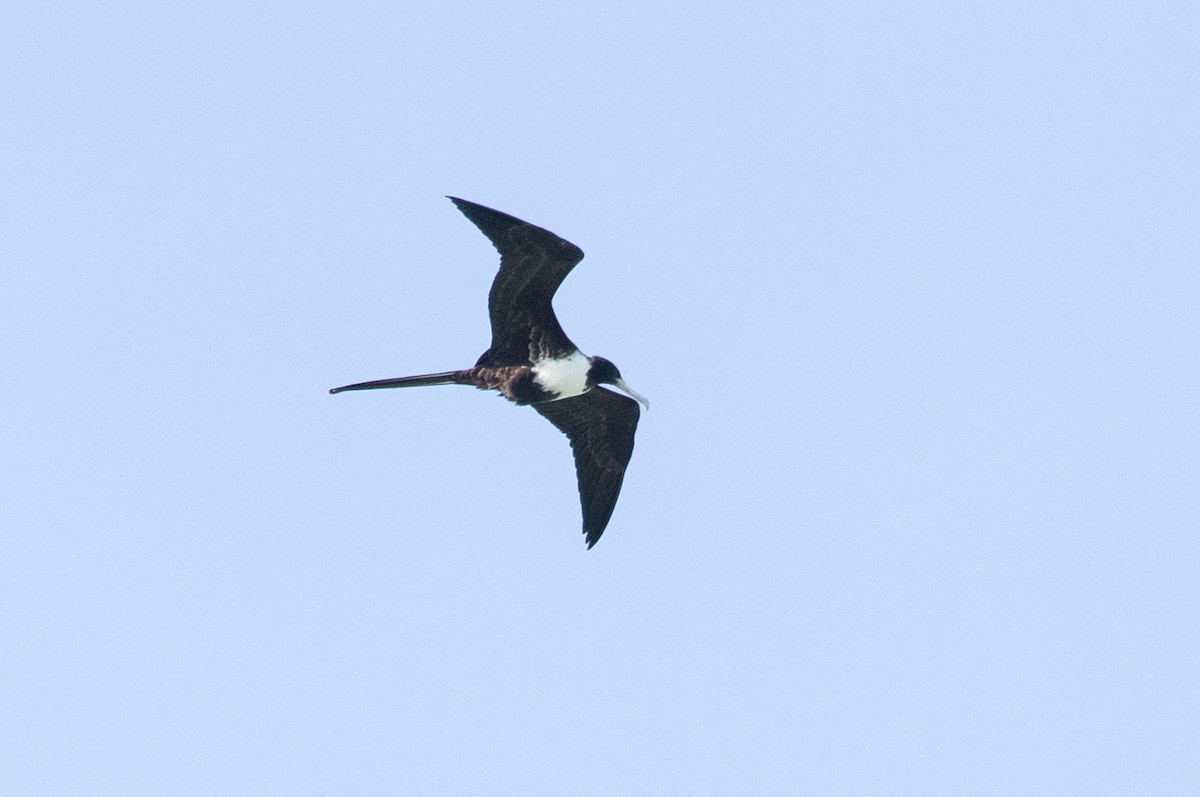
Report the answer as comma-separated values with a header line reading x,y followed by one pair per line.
x,y
603,372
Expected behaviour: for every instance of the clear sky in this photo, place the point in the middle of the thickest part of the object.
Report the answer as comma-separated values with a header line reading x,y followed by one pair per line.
x,y
914,289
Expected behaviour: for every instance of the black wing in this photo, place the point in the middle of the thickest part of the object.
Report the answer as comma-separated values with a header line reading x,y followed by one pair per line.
x,y
600,425
533,263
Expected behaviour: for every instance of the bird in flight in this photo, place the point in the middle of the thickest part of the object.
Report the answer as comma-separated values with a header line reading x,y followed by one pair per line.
x,y
532,361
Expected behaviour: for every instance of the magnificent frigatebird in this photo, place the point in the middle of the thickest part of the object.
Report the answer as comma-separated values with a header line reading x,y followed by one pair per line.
x,y
532,361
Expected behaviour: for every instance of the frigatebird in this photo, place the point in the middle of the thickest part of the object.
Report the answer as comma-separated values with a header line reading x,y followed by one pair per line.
x,y
532,361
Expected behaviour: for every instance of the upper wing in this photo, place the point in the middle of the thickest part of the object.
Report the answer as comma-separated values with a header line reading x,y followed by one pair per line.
x,y
533,263
600,425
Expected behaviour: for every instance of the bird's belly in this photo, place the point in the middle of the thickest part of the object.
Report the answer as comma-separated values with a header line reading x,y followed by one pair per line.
x,y
563,377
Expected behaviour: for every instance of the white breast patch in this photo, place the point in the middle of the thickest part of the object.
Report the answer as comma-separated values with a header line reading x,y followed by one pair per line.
x,y
566,376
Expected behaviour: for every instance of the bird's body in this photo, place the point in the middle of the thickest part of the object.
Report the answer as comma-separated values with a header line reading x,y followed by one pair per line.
x,y
532,361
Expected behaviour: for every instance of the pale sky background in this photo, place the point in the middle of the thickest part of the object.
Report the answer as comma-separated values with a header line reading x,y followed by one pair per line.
x,y
914,290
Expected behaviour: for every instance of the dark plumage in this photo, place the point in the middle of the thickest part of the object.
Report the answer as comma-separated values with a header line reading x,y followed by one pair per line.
x,y
532,361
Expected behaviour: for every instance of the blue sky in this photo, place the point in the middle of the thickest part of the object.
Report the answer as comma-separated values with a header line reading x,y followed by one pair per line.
x,y
913,289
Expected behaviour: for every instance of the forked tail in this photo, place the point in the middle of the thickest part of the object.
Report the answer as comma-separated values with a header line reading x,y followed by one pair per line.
x,y
444,378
